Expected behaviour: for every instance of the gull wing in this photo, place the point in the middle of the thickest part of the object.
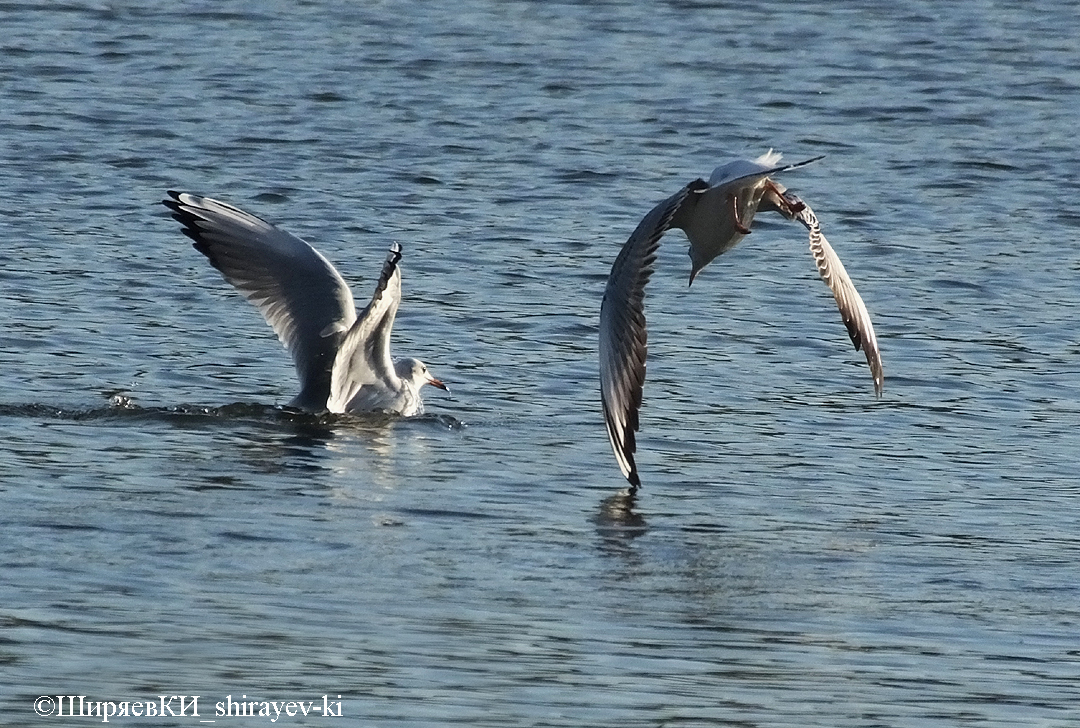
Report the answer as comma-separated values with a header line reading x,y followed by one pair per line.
x,y
852,309
364,356
623,333
299,293
763,166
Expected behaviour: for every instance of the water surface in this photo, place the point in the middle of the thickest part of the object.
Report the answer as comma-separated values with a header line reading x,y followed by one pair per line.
x,y
801,554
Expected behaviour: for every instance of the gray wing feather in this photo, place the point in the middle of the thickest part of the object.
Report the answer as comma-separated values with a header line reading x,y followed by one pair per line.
x,y
852,309
623,335
299,293
364,356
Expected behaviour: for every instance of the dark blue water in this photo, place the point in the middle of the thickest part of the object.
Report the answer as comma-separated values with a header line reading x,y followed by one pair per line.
x,y
801,554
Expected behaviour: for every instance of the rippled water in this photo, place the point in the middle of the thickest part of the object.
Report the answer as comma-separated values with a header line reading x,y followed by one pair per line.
x,y
801,554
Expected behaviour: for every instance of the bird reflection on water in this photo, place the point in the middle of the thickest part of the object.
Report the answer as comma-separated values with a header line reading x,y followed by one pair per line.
x,y
617,523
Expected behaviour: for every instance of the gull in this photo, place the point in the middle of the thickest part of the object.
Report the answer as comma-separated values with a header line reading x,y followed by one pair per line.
x,y
715,216
342,359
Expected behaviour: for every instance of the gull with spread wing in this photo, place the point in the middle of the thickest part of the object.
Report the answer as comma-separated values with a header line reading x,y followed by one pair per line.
x,y
715,216
342,359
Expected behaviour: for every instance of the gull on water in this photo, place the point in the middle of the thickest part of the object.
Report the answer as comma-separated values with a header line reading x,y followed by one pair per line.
x,y
342,358
715,215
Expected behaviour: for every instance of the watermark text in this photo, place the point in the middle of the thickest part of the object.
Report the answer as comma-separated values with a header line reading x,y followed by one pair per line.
x,y
183,706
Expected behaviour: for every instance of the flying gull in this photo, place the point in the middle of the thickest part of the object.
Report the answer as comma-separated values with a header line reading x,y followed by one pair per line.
x,y
342,359
715,216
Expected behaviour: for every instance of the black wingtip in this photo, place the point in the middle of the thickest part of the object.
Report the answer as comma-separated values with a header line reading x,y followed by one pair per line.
x,y
393,257
173,203
189,228
804,162
629,447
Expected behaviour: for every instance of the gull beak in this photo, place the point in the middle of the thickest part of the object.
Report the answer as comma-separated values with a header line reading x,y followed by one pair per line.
x,y
438,383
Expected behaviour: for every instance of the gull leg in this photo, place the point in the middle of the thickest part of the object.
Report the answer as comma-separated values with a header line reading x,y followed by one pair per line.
x,y
778,198
735,216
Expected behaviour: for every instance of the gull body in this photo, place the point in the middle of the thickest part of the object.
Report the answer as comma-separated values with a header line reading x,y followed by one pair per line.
x,y
715,215
342,358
